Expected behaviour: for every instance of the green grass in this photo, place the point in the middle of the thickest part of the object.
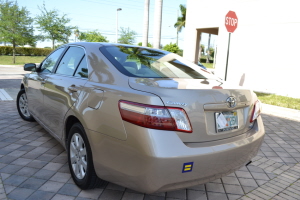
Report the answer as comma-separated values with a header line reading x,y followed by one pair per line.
x,y
208,65
20,60
277,100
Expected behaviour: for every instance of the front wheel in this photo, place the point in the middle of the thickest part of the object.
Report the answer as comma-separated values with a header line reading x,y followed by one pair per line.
x,y
80,159
22,106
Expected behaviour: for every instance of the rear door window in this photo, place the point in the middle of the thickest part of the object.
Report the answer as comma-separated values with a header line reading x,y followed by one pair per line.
x,y
82,70
70,61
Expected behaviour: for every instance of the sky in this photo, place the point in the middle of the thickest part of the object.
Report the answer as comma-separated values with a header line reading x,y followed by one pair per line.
x,y
89,15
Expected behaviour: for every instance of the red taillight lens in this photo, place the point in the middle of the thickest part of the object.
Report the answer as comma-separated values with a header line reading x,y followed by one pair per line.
x,y
155,117
256,111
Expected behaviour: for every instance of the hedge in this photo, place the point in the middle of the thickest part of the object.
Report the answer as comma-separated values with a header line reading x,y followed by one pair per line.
x,y
203,60
25,51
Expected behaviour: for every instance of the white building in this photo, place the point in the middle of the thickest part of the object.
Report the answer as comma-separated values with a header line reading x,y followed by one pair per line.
x,y
264,51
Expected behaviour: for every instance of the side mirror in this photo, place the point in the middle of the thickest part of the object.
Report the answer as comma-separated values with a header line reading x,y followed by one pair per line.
x,y
30,67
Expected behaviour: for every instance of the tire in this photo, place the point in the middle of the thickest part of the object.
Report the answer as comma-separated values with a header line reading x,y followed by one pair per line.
x,y
80,159
22,106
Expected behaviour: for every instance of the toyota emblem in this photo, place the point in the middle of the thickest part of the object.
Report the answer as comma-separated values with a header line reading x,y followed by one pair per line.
x,y
231,102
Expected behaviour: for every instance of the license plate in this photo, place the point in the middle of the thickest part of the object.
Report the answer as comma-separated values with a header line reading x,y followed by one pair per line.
x,y
226,121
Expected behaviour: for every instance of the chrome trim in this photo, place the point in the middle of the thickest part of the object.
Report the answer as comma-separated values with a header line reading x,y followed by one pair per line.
x,y
231,102
176,103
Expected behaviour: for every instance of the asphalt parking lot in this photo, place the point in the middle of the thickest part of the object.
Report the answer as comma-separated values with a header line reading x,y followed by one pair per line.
x,y
33,165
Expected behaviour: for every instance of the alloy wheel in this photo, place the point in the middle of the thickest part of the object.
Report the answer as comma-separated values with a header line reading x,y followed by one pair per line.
x,y
78,156
23,105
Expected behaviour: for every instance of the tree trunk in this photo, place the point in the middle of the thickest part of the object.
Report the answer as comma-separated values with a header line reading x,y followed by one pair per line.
x,y
177,29
200,53
52,43
146,24
208,56
177,37
157,23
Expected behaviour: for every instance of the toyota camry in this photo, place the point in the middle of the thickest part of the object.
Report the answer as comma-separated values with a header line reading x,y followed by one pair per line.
x,y
142,118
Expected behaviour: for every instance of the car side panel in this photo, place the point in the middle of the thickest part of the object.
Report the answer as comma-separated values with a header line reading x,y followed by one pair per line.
x,y
97,105
34,91
58,99
105,117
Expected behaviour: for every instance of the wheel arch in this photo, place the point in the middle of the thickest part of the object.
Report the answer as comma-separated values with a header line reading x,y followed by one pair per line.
x,y
68,125
90,179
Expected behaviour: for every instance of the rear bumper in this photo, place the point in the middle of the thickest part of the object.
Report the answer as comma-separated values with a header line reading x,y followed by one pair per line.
x,y
153,161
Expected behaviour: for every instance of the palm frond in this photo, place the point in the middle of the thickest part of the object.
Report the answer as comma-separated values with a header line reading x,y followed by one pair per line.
x,y
181,20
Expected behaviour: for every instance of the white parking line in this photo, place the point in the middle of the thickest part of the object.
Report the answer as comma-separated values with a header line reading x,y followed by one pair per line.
x,y
4,96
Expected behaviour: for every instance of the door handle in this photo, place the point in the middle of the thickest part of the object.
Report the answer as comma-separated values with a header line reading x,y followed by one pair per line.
x,y
72,88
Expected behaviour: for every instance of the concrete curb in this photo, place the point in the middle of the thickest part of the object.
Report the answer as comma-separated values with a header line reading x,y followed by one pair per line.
x,y
11,65
281,112
15,65
12,70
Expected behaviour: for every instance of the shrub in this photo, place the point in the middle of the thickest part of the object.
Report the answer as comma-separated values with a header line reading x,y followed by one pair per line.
x,y
203,60
25,51
5,50
148,45
180,52
171,48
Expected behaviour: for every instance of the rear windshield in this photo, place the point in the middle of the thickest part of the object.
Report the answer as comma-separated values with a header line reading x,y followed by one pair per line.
x,y
151,63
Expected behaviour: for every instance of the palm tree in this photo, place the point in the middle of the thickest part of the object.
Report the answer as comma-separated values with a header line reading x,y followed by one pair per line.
x,y
146,23
180,20
157,23
144,56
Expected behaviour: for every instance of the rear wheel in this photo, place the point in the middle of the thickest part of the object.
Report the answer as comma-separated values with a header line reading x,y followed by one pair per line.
x,y
80,159
22,106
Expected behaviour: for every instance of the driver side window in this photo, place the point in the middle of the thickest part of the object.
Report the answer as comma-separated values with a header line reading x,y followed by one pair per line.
x,y
49,63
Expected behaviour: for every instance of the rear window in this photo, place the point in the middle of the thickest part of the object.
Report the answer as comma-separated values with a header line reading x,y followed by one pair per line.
x,y
151,63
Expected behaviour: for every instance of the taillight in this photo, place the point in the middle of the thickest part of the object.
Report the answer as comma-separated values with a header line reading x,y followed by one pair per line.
x,y
256,111
155,117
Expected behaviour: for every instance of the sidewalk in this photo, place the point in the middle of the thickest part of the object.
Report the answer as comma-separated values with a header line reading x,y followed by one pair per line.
x,y
11,65
9,70
281,112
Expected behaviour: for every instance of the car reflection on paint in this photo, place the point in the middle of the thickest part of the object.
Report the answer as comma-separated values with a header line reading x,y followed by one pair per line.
x,y
142,118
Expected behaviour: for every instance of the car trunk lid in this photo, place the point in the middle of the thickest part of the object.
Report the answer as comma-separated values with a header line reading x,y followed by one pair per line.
x,y
203,100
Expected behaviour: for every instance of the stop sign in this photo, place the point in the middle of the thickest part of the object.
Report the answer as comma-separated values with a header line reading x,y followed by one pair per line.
x,y
231,21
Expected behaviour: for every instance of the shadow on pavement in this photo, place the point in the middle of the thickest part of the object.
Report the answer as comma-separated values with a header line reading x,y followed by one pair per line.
x,y
10,83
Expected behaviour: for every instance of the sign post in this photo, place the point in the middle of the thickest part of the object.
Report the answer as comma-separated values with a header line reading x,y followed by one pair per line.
x,y
231,22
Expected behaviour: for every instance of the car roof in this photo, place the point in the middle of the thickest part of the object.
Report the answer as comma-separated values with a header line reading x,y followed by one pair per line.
x,y
86,44
101,44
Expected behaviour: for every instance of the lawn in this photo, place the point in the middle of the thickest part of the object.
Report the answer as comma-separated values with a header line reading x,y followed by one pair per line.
x,y
20,60
278,100
208,65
